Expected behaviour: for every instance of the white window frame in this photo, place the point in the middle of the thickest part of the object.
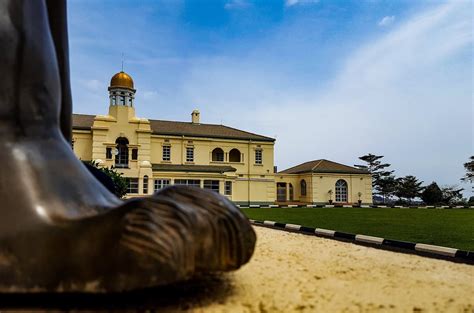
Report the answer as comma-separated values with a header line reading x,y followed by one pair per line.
x,y
132,185
228,188
188,182
160,183
258,156
342,191
212,184
166,155
189,154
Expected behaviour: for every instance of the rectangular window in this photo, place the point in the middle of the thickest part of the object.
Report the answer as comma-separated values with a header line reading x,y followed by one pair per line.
x,y
228,188
122,100
161,183
188,182
132,185
258,156
108,153
189,154
212,185
134,154
166,153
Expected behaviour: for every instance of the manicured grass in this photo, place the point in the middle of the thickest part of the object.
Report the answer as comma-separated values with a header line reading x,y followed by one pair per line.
x,y
444,227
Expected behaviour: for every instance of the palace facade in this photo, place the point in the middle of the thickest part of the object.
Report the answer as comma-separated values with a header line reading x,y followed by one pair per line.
x,y
153,154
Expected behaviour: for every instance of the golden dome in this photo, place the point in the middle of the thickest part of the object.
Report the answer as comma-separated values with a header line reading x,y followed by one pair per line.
x,y
121,79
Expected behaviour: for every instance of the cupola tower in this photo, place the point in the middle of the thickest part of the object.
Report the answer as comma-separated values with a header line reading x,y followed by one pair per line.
x,y
121,90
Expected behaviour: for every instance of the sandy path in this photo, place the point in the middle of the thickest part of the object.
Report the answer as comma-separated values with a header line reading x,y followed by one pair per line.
x,y
297,273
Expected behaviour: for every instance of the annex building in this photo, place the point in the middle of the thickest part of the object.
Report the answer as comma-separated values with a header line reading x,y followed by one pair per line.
x,y
153,154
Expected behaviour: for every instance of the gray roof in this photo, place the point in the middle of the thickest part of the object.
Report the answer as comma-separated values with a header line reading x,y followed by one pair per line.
x,y
172,128
192,168
323,166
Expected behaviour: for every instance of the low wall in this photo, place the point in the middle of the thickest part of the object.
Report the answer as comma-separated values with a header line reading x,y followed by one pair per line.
x,y
266,205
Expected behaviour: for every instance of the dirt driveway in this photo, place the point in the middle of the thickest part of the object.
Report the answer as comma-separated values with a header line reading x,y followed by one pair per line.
x,y
297,273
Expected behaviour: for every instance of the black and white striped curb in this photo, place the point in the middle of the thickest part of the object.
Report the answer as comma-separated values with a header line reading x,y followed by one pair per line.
x,y
403,246
353,206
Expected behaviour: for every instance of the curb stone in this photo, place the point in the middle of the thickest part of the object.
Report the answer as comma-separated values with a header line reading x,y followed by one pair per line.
x,y
446,253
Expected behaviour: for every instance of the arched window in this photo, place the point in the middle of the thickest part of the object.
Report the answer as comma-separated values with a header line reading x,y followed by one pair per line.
x,y
121,158
341,191
234,155
145,184
303,187
218,155
291,192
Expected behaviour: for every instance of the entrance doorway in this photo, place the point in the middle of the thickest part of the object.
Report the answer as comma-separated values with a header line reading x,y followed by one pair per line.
x,y
281,192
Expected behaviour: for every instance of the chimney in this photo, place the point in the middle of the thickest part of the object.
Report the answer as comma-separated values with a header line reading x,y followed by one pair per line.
x,y
195,117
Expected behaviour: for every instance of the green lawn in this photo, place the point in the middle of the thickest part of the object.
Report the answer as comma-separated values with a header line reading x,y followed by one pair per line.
x,y
444,227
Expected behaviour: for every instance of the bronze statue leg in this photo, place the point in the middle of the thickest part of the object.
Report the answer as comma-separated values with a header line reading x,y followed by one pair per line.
x,y
41,178
60,229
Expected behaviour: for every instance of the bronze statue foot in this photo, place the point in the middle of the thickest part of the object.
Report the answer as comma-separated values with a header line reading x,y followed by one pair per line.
x,y
169,237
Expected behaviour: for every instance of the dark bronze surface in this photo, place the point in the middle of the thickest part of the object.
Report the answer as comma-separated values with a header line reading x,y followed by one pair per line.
x,y
192,294
60,229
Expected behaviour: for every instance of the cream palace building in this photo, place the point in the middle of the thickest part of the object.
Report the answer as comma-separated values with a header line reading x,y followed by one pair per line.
x,y
153,154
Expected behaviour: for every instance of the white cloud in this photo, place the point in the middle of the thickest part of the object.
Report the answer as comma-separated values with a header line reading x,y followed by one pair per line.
x,y
149,95
290,3
93,84
236,4
406,95
387,20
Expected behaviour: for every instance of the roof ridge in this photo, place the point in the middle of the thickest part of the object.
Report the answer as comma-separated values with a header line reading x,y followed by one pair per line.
x,y
301,164
83,114
210,124
319,162
340,164
183,122
243,132
322,166
247,132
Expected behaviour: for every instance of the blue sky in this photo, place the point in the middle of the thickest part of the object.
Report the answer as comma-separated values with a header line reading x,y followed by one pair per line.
x,y
328,79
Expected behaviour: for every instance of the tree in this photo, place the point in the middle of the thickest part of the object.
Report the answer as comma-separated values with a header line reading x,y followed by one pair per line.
x,y
387,186
408,187
381,179
452,194
432,194
471,201
375,167
113,180
469,176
